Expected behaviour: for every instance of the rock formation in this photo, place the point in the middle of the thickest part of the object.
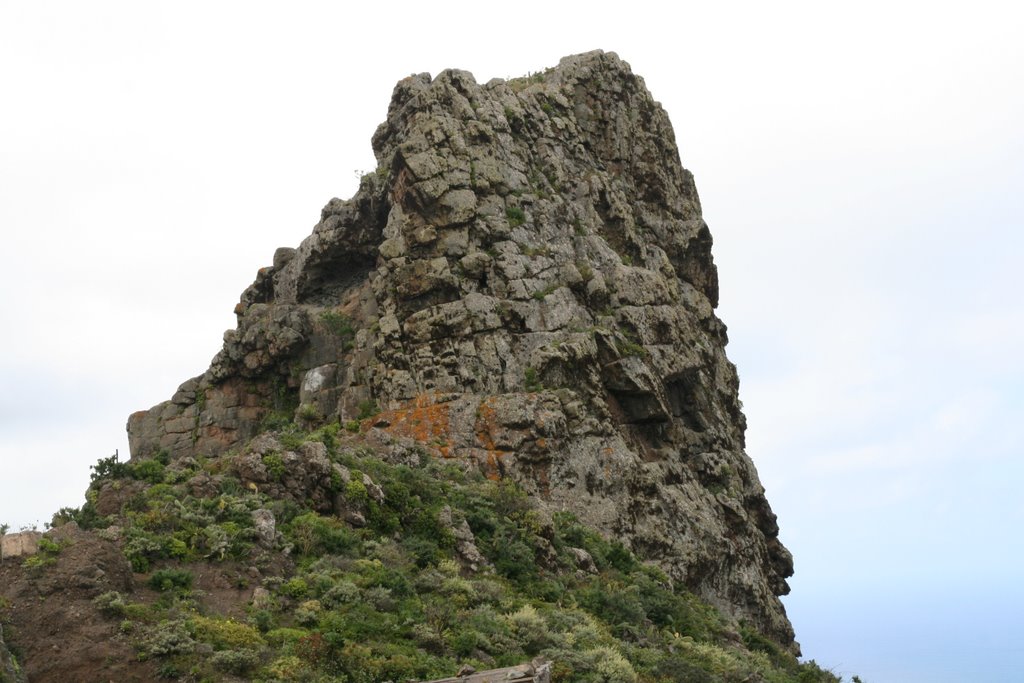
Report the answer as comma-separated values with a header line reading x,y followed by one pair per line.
x,y
525,283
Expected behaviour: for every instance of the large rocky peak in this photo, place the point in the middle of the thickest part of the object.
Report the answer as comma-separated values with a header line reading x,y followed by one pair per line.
x,y
525,283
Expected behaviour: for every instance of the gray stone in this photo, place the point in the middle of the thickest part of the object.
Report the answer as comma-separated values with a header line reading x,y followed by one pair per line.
x,y
265,526
282,256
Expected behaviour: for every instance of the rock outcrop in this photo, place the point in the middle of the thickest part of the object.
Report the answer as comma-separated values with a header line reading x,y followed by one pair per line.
x,y
19,544
525,283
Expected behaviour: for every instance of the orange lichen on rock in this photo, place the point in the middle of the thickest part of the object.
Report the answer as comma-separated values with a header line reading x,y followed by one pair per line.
x,y
485,428
422,419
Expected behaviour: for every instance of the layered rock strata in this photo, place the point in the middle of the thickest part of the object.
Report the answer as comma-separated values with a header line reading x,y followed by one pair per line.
x,y
525,283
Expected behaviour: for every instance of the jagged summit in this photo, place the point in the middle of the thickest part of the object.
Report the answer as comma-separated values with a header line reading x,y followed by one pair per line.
x,y
525,283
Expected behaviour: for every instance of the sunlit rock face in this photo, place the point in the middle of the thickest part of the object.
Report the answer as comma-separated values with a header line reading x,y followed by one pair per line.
x,y
525,283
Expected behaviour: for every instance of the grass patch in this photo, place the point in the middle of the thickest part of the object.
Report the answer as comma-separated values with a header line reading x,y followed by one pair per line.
x,y
515,215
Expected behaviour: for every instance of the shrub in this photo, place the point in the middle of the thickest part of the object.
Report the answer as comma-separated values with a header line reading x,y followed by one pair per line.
x,y
226,634
532,380
151,471
263,620
48,546
295,588
111,604
170,579
367,409
141,548
166,638
309,412
289,668
109,468
307,613
235,661
275,465
529,629
280,637
316,535
85,517
597,665
47,555
340,593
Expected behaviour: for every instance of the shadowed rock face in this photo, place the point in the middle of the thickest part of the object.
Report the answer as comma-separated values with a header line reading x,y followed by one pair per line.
x,y
525,282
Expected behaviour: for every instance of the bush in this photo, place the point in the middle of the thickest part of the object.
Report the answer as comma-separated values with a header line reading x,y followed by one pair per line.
x,y
289,668
275,466
235,661
108,468
170,579
295,588
284,637
85,517
141,548
166,638
598,665
313,534
367,409
226,634
151,471
111,604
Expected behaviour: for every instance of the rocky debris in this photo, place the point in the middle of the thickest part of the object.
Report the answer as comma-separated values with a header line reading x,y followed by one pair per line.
x,y
525,283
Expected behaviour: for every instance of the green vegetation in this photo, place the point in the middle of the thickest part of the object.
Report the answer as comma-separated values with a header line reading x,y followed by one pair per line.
x,y
340,325
627,347
367,409
275,465
44,556
391,598
533,382
518,84
541,294
515,215
170,579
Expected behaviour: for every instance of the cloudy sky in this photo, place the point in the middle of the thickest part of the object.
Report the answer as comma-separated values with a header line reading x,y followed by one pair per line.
x,y
861,167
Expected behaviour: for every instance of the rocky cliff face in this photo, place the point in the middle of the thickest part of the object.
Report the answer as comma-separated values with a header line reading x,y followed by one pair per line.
x,y
525,283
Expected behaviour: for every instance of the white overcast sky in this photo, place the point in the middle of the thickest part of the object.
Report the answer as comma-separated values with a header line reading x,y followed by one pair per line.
x,y
861,166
